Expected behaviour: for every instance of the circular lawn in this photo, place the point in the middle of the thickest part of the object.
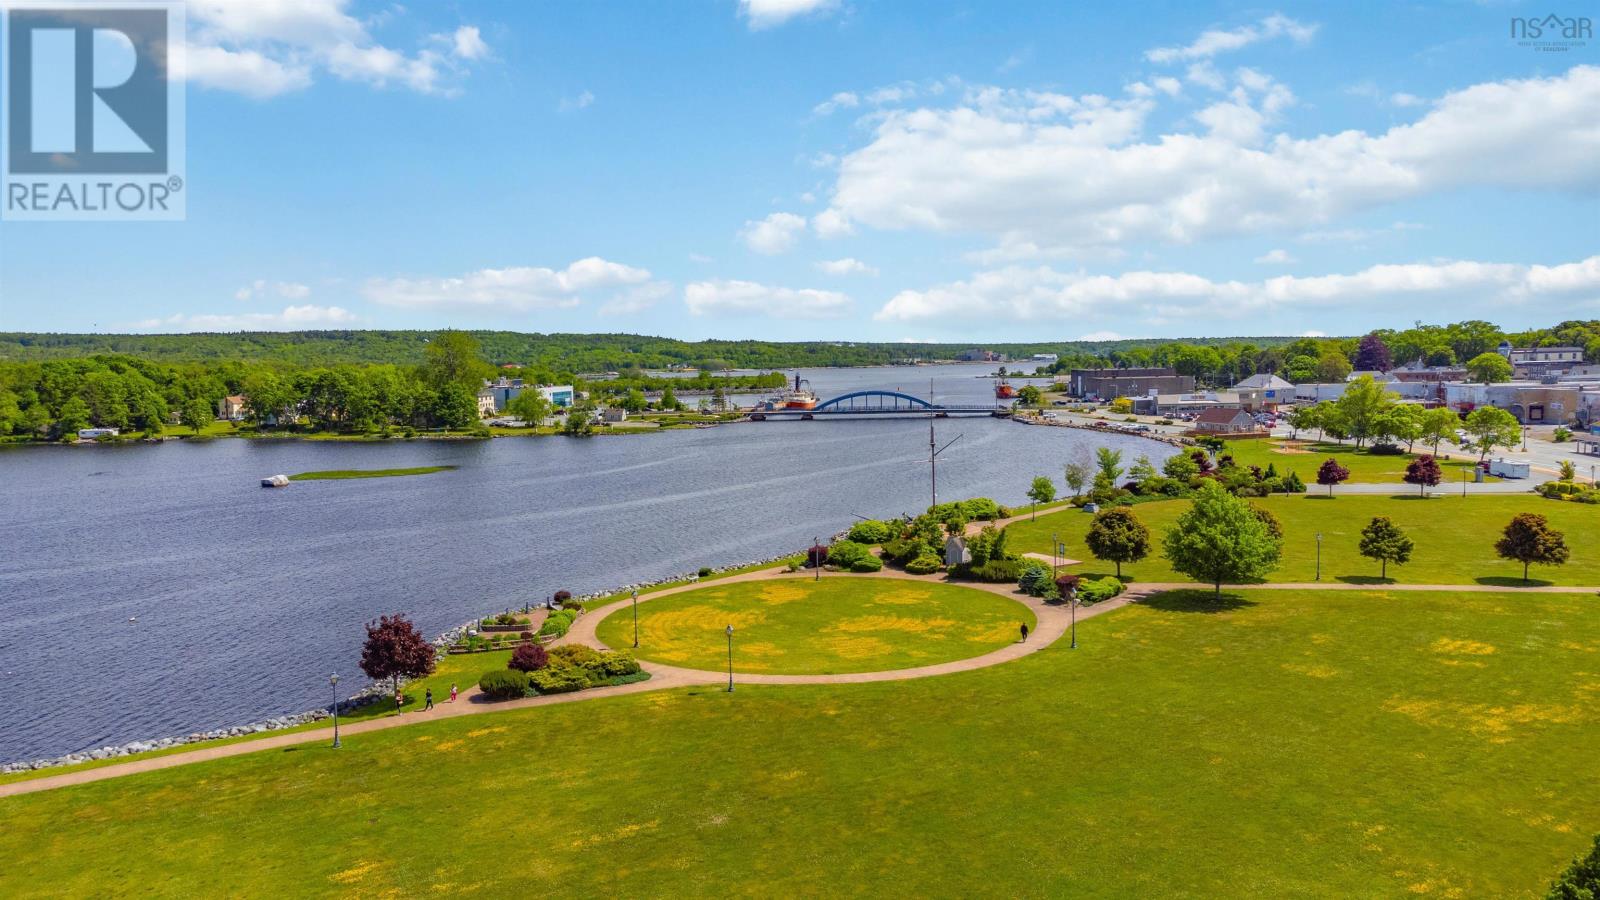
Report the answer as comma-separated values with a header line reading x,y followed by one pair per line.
x,y
796,626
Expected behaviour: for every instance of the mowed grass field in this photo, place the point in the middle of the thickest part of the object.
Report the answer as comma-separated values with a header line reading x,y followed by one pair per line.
x,y
1454,538
1331,744
1306,456
794,626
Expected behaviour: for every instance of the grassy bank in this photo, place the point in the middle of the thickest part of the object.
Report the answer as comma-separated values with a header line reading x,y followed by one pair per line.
x,y
342,474
1454,538
1436,745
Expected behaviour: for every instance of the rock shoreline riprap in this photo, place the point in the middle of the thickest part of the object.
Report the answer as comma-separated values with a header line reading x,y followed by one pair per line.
x,y
368,695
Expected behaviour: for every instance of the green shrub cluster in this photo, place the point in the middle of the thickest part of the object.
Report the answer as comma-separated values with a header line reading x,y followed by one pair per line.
x,y
1096,590
978,509
846,554
995,571
867,563
1036,580
869,531
558,623
574,667
504,684
1568,490
925,564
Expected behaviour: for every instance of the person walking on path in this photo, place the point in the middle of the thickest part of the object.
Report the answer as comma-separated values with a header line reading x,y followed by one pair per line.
x,y
1024,632
399,700
452,693
428,704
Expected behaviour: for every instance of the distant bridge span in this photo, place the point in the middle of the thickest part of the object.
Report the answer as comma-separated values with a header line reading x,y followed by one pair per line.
x,y
877,403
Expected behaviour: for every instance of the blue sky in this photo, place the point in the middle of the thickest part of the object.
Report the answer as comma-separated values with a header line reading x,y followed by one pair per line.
x,y
797,169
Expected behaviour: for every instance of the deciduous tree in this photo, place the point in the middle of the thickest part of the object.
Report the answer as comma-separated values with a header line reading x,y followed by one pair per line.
x,y
1331,473
1529,539
1043,490
1383,541
1489,368
1491,427
396,650
1424,473
1220,539
1117,535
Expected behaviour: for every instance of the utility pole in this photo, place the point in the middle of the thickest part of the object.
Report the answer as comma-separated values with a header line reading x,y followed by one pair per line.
x,y
934,450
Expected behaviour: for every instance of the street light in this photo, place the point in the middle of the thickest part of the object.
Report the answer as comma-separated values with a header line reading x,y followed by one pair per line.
x,y
1072,605
333,682
1055,544
635,620
1319,556
1524,439
816,564
730,659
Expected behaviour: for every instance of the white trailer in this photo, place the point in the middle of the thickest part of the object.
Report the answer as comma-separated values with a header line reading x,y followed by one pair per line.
x,y
1507,469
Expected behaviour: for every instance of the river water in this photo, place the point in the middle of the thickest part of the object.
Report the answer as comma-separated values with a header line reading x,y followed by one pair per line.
x,y
155,590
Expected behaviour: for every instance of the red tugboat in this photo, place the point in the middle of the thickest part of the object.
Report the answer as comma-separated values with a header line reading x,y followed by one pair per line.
x,y
1004,391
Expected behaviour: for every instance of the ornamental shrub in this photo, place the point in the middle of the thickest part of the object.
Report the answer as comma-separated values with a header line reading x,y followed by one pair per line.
x,y
575,655
504,684
557,623
705,572
562,596
529,658
1097,590
618,664
1034,577
926,564
846,553
868,563
870,532
561,679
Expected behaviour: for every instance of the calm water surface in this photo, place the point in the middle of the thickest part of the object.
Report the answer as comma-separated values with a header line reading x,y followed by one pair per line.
x,y
154,590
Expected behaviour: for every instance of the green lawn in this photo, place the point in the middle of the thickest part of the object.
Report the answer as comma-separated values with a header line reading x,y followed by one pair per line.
x,y
1338,744
795,626
342,474
1454,538
1363,466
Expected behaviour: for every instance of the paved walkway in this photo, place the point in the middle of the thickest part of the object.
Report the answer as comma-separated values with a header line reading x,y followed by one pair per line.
x,y
1053,622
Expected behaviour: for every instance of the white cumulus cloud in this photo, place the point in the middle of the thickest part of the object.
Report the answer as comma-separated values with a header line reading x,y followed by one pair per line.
x,y
775,234
291,318
761,14
846,266
1214,41
523,288
744,298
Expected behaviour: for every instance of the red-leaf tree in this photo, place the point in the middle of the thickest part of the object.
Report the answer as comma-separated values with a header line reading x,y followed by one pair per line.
x,y
1331,473
528,658
396,650
1424,473
1530,539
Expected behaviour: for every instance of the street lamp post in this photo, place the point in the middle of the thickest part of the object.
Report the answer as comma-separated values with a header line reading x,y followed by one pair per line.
x,y
1055,545
816,565
1319,556
1463,482
1524,439
730,659
333,682
635,620
1072,606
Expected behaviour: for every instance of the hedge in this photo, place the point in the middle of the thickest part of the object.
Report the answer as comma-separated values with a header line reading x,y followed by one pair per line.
x,y
558,623
866,564
995,571
926,564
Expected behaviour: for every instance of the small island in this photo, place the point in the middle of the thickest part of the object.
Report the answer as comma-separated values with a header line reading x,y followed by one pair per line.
x,y
340,474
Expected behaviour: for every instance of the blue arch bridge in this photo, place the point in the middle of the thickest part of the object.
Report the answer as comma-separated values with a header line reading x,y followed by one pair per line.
x,y
873,403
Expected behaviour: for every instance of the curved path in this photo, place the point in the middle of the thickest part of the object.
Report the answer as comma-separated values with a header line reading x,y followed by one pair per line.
x,y
1052,624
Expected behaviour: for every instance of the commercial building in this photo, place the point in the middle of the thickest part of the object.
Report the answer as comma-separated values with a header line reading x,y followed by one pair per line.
x,y
1225,421
1107,384
1264,392
1533,362
1184,404
1531,402
495,395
